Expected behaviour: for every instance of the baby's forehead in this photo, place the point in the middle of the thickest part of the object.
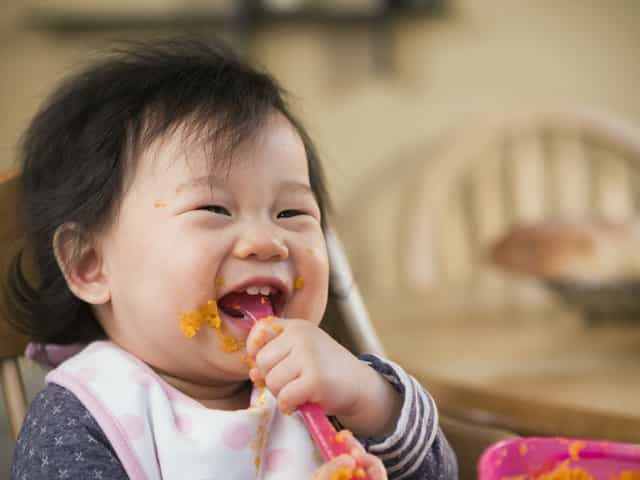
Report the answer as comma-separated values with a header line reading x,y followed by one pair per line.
x,y
185,147
206,150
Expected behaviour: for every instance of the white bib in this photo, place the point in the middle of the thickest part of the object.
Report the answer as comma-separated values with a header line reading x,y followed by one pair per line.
x,y
160,433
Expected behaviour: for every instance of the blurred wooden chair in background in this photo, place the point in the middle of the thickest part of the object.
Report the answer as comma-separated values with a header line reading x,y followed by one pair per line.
x,y
432,216
469,441
12,344
419,243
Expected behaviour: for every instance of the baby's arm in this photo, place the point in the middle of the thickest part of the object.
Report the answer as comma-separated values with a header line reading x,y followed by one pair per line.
x,y
417,448
386,408
60,439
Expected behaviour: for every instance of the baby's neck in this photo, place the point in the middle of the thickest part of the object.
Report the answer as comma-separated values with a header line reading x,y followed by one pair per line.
x,y
231,396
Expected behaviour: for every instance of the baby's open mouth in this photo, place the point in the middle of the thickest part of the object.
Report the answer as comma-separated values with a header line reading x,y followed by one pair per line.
x,y
252,303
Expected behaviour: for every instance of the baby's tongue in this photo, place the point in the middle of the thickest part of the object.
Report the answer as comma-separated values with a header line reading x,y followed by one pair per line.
x,y
255,307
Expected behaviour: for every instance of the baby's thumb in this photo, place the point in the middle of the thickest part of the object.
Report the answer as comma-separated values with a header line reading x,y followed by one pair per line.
x,y
338,468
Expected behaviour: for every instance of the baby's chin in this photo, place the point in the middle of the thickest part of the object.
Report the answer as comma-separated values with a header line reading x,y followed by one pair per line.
x,y
195,384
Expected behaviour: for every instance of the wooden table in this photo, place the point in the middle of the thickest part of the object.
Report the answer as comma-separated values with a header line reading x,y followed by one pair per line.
x,y
539,373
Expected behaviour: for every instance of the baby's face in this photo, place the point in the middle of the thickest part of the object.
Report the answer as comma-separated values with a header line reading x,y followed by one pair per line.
x,y
190,230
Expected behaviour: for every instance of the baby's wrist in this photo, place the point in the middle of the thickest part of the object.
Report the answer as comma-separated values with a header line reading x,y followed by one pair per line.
x,y
378,409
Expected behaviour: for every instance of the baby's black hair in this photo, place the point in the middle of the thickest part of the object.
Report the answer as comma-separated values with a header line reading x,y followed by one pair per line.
x,y
76,153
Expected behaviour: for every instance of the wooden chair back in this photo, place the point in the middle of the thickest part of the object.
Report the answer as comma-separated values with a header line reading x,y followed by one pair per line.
x,y
431,217
469,441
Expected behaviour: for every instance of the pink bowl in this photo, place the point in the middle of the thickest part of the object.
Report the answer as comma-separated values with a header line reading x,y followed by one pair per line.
x,y
529,457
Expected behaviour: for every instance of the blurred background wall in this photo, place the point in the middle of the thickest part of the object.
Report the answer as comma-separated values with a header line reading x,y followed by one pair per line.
x,y
477,57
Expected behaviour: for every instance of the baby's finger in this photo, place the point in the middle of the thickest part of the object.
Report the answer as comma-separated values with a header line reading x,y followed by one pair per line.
x,y
373,466
283,373
351,442
367,465
262,333
294,394
340,465
358,453
272,354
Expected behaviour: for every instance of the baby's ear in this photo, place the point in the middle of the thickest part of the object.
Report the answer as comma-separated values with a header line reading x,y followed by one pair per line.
x,y
81,263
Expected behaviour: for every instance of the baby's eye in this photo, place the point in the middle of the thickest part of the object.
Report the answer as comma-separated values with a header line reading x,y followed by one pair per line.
x,y
290,213
219,209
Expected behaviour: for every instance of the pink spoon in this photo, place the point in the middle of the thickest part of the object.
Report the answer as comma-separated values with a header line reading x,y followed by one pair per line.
x,y
321,429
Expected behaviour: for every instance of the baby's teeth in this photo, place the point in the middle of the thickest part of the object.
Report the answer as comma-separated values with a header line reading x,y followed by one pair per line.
x,y
259,290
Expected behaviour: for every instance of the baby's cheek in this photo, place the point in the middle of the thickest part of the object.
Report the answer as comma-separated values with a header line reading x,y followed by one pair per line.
x,y
311,284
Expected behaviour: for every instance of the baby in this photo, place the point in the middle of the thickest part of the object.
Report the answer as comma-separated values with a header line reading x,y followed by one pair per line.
x,y
175,210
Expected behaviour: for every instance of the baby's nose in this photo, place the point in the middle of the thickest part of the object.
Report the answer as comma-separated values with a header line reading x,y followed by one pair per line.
x,y
261,243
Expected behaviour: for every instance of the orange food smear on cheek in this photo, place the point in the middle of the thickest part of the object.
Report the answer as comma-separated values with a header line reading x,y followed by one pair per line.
x,y
229,344
191,321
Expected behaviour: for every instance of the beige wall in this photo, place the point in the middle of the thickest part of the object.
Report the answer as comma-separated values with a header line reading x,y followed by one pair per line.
x,y
484,56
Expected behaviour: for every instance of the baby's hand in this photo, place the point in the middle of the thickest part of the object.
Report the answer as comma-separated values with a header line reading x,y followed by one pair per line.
x,y
299,363
359,464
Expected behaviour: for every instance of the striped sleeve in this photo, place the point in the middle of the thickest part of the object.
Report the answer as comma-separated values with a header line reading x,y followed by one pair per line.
x,y
417,448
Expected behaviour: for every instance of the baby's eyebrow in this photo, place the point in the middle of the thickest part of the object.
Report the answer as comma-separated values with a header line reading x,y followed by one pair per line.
x,y
206,180
295,187
211,180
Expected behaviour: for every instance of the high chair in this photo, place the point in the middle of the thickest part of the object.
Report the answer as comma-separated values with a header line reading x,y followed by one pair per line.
x,y
347,319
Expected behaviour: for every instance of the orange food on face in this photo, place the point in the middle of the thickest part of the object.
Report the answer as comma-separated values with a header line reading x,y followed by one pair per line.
x,y
190,323
229,344
210,314
359,473
159,204
299,283
219,281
